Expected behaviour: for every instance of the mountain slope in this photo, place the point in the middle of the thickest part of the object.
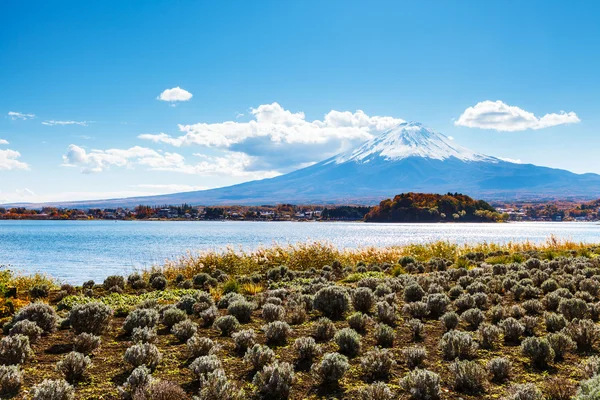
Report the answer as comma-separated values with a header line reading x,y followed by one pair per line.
x,y
408,157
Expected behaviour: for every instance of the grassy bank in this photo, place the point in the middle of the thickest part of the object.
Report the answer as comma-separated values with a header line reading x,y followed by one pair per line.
x,y
439,320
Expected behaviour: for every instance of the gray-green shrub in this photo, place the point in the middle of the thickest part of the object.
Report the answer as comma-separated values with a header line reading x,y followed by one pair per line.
x,y
226,325
143,354
259,356
74,366
10,379
332,301
90,318
86,343
53,390
274,381
141,318
332,368
377,364
421,384
15,349
348,341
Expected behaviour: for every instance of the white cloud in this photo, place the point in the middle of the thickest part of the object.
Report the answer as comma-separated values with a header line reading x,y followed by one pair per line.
x,y
53,122
3,141
502,117
175,94
281,134
17,115
9,160
231,164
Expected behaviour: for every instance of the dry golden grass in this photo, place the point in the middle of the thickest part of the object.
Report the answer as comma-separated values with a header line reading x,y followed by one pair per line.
x,y
308,255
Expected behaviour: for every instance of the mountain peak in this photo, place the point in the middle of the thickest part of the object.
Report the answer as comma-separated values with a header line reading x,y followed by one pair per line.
x,y
409,139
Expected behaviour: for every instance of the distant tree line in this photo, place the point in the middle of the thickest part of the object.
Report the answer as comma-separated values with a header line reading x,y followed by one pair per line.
x,y
345,213
425,207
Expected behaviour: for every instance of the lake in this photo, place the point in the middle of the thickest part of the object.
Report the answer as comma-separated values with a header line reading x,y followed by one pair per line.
x,y
75,251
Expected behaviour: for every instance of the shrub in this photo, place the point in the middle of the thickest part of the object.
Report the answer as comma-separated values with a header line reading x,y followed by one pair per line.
x,y
377,364
276,332
208,315
512,329
561,344
384,335
416,328
524,391
591,366
376,391
172,315
533,307
464,302
554,322
437,304
468,376
499,368
363,299
10,379
229,298
358,321
450,320
90,318
138,380
184,330
112,281
415,356
42,314
53,390
489,335
413,292
15,349
244,339
473,317
140,318
496,314
274,381
144,335
227,324
198,346
204,365
573,308
324,329
136,281
538,351
143,354
421,384
241,309
159,282
332,368
584,333
296,313
259,356
86,343
332,301
216,386
417,309
386,313
559,389
27,328
348,341
39,291
306,349
589,389
73,366
456,344
272,312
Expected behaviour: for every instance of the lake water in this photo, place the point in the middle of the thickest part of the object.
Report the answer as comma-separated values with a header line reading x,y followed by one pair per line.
x,y
75,251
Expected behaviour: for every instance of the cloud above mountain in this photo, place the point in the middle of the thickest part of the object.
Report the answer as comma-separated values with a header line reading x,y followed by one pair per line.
x,y
279,138
500,116
94,161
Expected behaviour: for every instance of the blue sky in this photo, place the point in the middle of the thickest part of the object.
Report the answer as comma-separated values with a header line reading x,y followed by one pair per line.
x,y
81,84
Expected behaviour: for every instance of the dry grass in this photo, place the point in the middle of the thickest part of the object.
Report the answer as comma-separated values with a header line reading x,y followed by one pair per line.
x,y
304,256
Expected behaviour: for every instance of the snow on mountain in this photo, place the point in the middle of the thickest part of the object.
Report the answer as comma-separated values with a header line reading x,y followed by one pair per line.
x,y
410,139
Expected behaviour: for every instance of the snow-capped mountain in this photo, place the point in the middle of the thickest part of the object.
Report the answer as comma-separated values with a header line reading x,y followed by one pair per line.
x,y
410,139
408,157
